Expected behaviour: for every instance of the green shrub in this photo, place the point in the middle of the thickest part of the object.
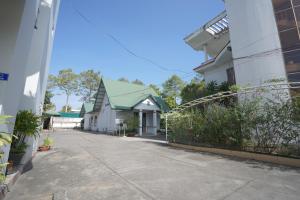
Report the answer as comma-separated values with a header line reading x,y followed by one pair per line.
x,y
258,125
5,139
27,124
132,124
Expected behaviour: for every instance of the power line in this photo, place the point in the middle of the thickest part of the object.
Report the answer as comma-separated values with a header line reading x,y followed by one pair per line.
x,y
123,46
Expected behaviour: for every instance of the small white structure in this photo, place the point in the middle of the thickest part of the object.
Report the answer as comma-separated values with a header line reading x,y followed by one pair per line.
x,y
251,42
26,37
66,120
119,102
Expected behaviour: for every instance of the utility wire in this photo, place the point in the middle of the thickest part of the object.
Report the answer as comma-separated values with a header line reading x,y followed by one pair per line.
x,y
123,46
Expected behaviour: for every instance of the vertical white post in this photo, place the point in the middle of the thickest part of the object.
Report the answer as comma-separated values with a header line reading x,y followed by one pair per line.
x,y
205,53
154,122
167,128
141,123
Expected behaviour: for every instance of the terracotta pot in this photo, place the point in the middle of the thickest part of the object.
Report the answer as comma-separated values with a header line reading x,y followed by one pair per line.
x,y
15,158
44,148
10,165
130,134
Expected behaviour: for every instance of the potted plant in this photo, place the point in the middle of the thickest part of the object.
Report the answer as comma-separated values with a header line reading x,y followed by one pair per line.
x,y
48,143
27,124
5,139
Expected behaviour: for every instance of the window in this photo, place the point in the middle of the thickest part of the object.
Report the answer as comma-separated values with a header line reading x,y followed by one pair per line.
x,y
292,61
95,121
287,14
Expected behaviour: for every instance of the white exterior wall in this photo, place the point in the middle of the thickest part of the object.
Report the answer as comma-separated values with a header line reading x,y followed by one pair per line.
x,y
123,115
106,117
24,54
218,73
86,125
66,122
253,30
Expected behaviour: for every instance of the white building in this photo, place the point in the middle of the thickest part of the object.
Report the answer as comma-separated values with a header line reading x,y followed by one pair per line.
x,y
118,102
26,38
251,42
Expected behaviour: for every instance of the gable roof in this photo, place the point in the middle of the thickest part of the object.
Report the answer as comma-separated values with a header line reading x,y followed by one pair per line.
x,y
86,107
124,96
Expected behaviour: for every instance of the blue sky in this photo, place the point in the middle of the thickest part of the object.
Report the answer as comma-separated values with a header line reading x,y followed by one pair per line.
x,y
150,28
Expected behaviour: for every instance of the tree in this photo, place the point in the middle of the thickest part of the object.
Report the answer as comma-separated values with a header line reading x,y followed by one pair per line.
x,y
193,91
170,101
66,81
48,105
173,86
155,88
197,79
138,82
66,109
123,79
88,84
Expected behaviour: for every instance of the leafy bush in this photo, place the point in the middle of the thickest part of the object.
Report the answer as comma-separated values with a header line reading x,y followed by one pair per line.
x,y
132,124
27,124
5,139
260,125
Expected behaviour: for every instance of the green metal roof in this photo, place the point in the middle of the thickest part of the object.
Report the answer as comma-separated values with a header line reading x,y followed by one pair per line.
x,y
125,96
86,108
69,114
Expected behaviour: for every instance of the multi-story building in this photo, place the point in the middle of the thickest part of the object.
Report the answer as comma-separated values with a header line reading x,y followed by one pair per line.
x,y
251,42
26,37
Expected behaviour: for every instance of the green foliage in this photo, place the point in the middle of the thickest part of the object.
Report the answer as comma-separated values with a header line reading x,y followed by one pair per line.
x,y
195,90
173,86
275,126
224,86
234,88
192,91
66,81
170,101
155,88
48,141
5,139
19,149
256,125
132,123
197,79
89,81
123,79
27,124
138,82
211,88
296,105
48,105
66,109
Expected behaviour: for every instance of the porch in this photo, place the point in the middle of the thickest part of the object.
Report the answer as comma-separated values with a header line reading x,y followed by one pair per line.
x,y
148,122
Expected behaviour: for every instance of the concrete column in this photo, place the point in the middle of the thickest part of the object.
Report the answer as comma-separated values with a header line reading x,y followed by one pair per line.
x,y
141,123
205,53
154,122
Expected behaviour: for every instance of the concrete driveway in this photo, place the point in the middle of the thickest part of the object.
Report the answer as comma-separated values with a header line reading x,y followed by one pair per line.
x,y
88,167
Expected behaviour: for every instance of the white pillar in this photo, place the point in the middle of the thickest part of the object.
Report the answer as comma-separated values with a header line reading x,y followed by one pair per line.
x,y
154,122
205,53
141,123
